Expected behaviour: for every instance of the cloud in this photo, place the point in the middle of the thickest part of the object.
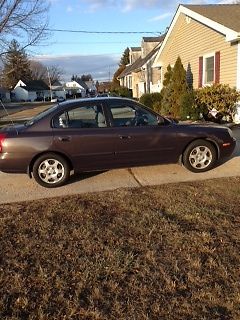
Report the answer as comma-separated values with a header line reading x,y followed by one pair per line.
x,y
127,5
161,17
99,66
69,8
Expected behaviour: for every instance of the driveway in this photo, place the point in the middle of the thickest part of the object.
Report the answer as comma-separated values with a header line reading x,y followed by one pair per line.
x,y
18,187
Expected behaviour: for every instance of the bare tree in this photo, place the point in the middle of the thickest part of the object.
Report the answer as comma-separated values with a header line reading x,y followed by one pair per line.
x,y
23,19
41,72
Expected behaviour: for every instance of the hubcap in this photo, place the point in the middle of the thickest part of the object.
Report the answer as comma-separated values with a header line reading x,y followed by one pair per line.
x,y
200,157
51,171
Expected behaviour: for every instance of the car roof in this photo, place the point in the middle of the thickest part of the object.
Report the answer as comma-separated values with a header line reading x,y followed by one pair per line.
x,y
95,99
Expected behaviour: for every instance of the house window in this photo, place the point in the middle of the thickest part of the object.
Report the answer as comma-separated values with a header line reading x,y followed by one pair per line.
x,y
209,70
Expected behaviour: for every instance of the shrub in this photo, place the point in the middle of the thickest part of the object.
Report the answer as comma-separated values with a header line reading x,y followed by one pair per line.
x,y
219,96
123,92
152,100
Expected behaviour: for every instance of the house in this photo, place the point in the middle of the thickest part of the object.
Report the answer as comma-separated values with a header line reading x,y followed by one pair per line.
x,y
35,90
139,75
125,77
92,89
76,88
207,39
58,90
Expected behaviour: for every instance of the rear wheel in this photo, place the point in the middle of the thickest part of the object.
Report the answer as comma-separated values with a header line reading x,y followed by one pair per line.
x,y
51,170
200,156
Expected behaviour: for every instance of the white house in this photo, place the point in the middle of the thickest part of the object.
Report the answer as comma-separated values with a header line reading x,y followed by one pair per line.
x,y
35,90
76,88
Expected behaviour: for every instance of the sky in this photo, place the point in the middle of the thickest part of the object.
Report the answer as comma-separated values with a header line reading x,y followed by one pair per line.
x,y
80,53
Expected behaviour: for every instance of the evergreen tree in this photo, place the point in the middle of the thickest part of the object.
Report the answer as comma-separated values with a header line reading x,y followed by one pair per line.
x,y
168,76
166,92
16,66
179,87
125,58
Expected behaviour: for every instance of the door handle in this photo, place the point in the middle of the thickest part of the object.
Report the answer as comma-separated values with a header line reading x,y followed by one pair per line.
x,y
64,139
125,137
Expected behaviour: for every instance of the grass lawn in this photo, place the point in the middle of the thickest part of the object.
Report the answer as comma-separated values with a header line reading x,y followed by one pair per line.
x,y
165,252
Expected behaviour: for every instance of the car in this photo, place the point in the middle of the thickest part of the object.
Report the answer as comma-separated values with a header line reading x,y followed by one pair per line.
x,y
60,99
105,133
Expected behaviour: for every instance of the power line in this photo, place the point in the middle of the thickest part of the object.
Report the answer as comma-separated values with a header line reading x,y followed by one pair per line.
x,y
103,32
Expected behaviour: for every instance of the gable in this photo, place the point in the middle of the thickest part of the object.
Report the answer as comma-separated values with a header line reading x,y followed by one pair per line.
x,y
190,40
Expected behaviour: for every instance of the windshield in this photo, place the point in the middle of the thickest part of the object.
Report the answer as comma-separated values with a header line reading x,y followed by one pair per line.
x,y
40,116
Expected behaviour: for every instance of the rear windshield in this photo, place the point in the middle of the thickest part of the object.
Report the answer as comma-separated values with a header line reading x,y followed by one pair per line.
x,y
40,116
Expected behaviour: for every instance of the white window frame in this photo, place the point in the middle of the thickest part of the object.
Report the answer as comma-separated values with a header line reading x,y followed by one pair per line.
x,y
209,55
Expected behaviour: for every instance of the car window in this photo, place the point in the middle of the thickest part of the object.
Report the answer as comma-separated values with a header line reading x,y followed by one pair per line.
x,y
127,115
81,117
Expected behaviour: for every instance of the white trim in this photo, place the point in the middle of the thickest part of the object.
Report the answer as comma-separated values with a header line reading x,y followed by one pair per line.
x,y
230,34
238,66
209,55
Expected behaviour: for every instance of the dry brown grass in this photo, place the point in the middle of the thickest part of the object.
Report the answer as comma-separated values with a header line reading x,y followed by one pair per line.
x,y
166,252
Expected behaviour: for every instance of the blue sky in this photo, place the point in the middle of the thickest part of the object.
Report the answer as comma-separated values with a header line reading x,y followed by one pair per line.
x,y
99,54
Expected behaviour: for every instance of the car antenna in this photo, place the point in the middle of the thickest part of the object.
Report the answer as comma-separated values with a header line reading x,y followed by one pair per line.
x,y
4,108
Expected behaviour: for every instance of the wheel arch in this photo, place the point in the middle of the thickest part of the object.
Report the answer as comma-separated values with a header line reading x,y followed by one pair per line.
x,y
212,141
30,167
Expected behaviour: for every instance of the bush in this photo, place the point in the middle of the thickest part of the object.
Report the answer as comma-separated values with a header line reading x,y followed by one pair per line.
x,y
152,100
123,92
188,109
221,97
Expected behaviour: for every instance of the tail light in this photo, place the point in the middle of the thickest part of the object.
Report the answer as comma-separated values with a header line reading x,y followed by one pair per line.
x,y
2,138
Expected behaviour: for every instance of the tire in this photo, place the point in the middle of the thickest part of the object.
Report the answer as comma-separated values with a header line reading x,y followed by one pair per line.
x,y
200,156
51,170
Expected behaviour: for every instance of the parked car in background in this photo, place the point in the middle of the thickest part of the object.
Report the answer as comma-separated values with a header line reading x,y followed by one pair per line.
x,y
105,133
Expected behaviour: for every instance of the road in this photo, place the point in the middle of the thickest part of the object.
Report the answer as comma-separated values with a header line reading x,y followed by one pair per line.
x,y
18,187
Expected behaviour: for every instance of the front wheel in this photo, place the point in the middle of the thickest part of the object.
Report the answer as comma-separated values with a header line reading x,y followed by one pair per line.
x,y
51,170
200,156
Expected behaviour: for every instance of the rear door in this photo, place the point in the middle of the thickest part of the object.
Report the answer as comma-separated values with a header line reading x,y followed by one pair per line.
x,y
83,134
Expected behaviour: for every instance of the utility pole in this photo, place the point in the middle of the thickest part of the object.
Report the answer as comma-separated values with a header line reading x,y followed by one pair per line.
x,y
50,85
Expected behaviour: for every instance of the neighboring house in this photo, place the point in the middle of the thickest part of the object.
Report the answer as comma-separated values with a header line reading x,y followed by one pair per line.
x,y
139,76
5,95
58,90
125,77
76,88
207,39
92,89
35,90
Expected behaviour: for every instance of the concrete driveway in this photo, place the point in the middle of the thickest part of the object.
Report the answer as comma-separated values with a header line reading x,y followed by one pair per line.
x,y
18,187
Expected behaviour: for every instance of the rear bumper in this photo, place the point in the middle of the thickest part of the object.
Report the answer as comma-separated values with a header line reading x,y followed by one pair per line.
x,y
13,163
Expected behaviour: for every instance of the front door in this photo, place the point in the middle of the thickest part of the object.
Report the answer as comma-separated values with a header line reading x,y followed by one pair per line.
x,y
140,139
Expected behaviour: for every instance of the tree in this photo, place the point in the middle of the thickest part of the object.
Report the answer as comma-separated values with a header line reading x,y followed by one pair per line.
x,y
86,77
16,66
166,92
25,19
179,87
125,60
41,72
115,82
122,65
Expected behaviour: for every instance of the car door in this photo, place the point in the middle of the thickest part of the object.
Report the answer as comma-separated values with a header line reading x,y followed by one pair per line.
x,y
140,137
82,133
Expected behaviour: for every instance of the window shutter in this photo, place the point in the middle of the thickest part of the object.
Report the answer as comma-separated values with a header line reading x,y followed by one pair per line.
x,y
217,67
200,72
